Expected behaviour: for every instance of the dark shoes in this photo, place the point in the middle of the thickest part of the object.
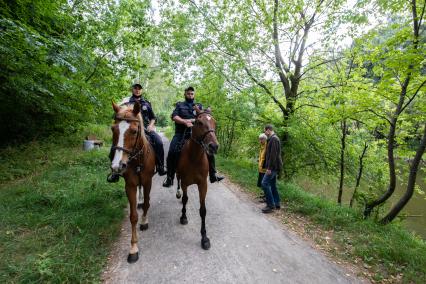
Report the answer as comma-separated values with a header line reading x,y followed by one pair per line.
x,y
267,209
277,207
113,177
161,171
215,178
168,182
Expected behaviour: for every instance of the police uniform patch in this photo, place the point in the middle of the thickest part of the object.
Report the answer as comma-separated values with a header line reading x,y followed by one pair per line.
x,y
144,108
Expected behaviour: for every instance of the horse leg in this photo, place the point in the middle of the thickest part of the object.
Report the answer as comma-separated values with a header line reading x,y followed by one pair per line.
x,y
202,189
178,191
140,197
183,218
131,196
145,205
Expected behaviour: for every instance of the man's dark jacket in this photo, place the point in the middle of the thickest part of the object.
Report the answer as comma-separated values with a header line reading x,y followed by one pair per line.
x,y
273,159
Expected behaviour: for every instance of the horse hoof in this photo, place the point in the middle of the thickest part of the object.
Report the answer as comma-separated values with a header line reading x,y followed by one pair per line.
x,y
178,195
205,243
133,257
143,227
140,205
183,220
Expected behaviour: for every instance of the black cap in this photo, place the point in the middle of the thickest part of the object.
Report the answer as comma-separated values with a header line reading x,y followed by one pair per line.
x,y
190,88
137,85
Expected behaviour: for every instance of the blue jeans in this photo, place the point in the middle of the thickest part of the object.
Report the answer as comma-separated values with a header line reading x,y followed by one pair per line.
x,y
269,186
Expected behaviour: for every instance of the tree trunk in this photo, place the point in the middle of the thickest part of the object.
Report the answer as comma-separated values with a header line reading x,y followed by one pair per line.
x,y
342,160
392,175
358,177
414,166
393,122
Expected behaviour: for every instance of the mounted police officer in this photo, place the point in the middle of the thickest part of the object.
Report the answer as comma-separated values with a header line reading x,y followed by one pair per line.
x,y
149,125
184,115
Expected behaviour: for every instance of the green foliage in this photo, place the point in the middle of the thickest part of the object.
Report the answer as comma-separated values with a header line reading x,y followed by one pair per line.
x,y
60,218
62,62
358,57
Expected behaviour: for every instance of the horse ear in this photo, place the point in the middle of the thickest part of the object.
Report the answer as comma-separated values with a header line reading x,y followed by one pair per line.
x,y
209,109
197,109
115,107
136,108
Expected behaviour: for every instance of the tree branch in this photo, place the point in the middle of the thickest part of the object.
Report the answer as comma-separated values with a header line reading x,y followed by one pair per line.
x,y
264,87
279,61
380,115
413,96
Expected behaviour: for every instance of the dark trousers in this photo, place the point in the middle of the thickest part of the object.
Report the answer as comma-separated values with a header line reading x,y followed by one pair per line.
x,y
269,186
175,149
156,143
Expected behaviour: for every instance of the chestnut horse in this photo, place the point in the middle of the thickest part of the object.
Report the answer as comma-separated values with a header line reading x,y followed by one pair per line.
x,y
193,165
134,159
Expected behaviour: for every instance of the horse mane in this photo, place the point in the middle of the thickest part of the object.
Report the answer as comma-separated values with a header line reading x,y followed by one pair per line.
x,y
128,109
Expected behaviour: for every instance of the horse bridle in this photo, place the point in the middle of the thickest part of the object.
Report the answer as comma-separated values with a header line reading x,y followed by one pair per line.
x,y
199,140
134,152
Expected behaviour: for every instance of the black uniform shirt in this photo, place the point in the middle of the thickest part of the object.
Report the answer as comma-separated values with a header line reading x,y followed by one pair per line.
x,y
184,110
146,109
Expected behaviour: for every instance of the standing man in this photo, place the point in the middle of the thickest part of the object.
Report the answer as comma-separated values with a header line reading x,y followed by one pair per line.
x,y
184,115
149,118
273,165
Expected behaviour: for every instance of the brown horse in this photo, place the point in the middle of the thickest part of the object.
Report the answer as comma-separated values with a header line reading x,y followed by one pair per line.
x,y
193,165
134,159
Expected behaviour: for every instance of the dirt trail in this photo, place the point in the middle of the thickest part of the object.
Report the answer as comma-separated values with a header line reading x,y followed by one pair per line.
x,y
246,245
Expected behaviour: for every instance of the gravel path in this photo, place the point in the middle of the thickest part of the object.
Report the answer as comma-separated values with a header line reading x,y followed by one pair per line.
x,y
246,245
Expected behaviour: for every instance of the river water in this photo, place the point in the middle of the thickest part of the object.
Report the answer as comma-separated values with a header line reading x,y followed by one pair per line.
x,y
415,209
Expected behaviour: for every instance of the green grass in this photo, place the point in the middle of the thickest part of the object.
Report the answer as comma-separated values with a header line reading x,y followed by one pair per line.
x,y
389,250
59,216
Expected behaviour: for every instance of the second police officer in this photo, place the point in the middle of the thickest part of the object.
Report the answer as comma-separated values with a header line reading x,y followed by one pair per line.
x,y
184,115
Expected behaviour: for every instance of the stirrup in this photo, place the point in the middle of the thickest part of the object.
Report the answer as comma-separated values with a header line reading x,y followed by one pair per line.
x,y
215,178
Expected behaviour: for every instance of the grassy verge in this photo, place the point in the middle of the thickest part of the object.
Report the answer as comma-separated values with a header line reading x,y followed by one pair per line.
x,y
58,214
390,252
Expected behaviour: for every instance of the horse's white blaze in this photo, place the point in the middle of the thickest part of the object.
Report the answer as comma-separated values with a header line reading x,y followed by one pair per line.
x,y
209,117
144,220
122,128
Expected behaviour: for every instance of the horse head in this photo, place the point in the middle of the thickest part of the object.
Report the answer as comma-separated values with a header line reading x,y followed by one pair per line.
x,y
126,134
204,130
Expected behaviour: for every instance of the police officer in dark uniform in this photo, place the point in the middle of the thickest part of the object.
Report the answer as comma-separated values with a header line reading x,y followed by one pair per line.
x,y
149,125
183,116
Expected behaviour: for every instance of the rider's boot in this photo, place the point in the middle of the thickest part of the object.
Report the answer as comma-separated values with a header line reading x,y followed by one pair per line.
x,y
212,170
168,182
171,169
